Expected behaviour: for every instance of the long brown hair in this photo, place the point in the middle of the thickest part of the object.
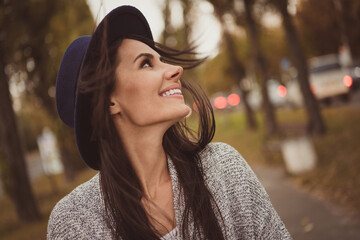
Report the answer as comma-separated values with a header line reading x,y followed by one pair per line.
x,y
121,188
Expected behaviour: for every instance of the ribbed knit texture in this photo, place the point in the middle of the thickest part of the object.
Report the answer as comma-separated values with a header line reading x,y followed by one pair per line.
x,y
242,201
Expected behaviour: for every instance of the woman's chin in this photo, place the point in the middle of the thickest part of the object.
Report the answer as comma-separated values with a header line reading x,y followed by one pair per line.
x,y
180,114
186,112
167,118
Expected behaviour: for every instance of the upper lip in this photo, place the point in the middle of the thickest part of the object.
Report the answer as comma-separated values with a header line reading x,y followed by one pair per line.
x,y
173,86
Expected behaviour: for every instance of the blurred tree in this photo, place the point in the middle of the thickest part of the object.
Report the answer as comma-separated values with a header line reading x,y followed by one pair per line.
x,y
177,37
350,18
324,33
32,34
16,177
261,64
187,6
238,70
314,29
32,119
37,33
273,44
315,123
216,74
221,7
167,22
47,48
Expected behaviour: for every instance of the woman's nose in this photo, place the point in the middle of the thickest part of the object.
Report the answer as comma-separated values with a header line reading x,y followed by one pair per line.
x,y
173,73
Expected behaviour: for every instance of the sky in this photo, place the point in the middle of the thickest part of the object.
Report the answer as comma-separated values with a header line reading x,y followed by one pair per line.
x,y
207,30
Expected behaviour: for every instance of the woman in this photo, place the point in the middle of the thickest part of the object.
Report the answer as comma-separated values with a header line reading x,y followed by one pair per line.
x,y
157,179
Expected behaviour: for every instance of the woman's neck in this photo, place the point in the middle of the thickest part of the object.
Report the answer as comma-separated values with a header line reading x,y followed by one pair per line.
x,y
146,153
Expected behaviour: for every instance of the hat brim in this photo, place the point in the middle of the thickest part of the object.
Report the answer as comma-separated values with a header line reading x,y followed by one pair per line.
x,y
66,79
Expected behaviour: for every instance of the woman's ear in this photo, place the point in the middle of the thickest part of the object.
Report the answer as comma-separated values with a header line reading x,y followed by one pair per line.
x,y
114,107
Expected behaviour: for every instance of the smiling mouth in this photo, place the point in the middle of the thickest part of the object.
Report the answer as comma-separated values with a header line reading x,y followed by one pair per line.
x,y
172,92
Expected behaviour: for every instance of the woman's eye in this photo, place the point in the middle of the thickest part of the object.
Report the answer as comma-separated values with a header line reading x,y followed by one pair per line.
x,y
145,64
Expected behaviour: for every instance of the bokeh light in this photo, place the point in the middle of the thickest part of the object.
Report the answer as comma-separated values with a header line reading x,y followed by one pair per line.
x,y
347,80
220,102
233,99
281,91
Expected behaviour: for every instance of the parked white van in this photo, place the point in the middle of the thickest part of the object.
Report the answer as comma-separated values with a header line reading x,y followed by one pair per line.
x,y
328,78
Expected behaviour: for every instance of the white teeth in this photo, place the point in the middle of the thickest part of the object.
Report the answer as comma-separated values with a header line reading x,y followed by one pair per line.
x,y
171,92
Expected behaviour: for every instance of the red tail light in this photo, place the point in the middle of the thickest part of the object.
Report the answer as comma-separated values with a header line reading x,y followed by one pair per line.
x,y
281,91
347,80
220,102
233,99
312,88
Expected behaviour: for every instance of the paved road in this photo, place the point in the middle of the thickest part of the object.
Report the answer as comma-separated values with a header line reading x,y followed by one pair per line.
x,y
306,217
355,99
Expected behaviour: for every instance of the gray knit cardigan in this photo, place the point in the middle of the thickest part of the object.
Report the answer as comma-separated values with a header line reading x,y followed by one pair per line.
x,y
243,203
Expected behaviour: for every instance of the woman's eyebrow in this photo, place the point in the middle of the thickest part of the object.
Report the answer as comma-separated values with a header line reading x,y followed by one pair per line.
x,y
149,55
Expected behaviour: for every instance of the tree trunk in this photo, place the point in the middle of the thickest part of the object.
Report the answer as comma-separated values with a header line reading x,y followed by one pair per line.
x,y
261,64
315,123
236,66
167,23
188,21
18,186
238,69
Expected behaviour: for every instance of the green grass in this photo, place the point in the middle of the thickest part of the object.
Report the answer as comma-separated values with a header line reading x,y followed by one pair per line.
x,y
336,177
231,128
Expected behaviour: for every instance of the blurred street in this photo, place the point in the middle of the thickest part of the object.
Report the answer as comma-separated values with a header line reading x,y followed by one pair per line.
x,y
305,216
355,99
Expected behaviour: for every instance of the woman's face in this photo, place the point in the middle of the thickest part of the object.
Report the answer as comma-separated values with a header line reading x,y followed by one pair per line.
x,y
147,90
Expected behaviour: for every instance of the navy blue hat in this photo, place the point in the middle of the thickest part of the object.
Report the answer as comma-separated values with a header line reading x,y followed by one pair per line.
x,y
74,107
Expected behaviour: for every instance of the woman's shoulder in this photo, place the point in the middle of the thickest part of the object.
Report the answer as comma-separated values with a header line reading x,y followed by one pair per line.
x,y
71,214
80,195
221,155
219,148
223,162
242,200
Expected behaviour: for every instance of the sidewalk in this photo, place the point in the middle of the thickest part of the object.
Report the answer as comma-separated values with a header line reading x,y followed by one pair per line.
x,y
305,217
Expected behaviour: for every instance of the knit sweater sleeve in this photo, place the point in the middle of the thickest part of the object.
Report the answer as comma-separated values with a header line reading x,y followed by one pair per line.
x,y
249,207
80,214
64,223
